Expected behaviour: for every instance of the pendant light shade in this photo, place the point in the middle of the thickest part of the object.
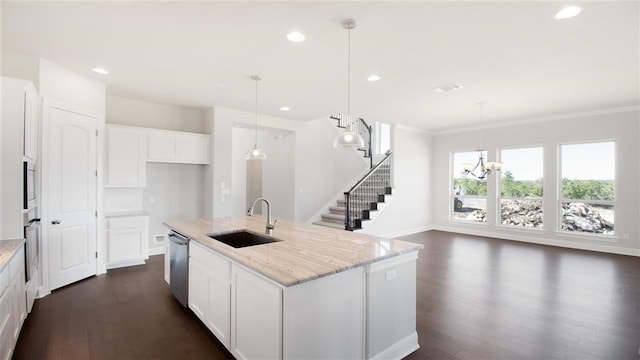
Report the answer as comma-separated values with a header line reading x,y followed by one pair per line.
x,y
349,138
256,153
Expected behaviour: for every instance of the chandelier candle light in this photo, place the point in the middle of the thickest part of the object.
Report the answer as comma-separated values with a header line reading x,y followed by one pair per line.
x,y
484,168
256,153
349,138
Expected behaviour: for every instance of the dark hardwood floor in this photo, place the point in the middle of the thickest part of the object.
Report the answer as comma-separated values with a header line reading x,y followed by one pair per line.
x,y
478,298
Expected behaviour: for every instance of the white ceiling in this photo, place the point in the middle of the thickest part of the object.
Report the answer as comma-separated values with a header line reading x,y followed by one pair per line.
x,y
511,55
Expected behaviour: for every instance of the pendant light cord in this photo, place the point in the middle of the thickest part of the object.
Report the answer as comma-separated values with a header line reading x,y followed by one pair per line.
x,y
256,136
349,76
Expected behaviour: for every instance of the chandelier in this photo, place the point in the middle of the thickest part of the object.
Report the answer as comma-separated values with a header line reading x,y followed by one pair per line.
x,y
482,168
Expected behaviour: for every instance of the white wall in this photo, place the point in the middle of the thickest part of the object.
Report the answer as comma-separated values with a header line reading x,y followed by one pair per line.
x,y
242,141
65,86
133,112
277,172
20,66
176,191
619,126
409,209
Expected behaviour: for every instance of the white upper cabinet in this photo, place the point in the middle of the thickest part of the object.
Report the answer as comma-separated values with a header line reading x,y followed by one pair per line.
x,y
31,122
178,147
126,156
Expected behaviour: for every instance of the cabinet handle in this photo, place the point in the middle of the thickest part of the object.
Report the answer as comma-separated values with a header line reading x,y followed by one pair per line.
x,y
55,222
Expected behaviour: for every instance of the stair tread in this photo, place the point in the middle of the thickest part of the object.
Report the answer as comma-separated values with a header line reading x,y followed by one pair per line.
x,y
329,224
333,216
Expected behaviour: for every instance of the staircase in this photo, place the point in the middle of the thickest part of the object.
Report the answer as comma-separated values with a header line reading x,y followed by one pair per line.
x,y
362,199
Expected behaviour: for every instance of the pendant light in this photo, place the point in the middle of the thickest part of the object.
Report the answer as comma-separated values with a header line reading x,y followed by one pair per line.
x,y
256,153
349,138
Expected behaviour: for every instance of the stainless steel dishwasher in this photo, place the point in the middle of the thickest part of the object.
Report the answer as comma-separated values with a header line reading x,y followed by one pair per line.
x,y
179,267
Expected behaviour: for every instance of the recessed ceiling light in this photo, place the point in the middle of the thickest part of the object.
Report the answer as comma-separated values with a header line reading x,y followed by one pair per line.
x,y
100,71
295,36
285,108
374,78
448,87
568,12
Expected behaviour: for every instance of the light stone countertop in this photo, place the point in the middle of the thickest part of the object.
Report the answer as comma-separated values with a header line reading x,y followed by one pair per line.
x,y
306,251
117,214
7,249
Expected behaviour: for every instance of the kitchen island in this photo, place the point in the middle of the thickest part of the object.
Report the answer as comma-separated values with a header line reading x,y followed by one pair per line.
x,y
314,293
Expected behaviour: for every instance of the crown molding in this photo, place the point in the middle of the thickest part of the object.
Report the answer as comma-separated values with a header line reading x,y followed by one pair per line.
x,y
540,119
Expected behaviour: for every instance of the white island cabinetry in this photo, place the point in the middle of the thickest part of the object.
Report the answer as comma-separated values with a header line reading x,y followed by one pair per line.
x,y
312,294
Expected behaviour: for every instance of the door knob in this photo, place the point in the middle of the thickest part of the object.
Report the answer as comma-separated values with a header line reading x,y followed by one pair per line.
x,y
55,222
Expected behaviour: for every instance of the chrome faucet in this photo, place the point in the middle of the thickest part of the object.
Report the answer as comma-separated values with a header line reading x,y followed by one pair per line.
x,y
269,227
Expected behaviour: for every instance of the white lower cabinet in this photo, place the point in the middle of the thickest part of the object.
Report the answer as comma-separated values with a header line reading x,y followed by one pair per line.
x,y
210,290
256,309
13,304
127,241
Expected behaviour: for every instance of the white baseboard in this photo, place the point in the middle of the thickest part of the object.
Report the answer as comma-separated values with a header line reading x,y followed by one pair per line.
x,y
156,251
406,232
400,349
530,239
120,264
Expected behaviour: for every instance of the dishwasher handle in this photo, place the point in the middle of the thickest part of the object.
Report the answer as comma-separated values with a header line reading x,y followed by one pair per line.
x,y
178,239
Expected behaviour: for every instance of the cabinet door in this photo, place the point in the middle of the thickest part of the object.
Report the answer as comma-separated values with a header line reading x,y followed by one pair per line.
x,y
256,316
126,157
193,148
163,146
198,289
218,317
7,323
125,245
31,123
19,304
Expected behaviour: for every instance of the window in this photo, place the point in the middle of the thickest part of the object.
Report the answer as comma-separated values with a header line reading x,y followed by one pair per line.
x,y
521,187
587,203
469,195
382,135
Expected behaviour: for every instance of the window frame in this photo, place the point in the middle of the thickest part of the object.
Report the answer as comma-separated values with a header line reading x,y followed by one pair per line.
x,y
560,199
452,194
499,196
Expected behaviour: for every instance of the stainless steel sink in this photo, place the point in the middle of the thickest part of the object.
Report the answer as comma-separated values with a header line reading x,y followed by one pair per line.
x,y
242,238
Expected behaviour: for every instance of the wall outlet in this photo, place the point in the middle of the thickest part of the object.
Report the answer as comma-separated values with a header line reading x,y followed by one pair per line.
x,y
625,236
159,239
152,199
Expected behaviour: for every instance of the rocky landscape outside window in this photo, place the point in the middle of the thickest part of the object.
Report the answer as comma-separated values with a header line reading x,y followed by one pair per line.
x,y
521,187
587,204
468,195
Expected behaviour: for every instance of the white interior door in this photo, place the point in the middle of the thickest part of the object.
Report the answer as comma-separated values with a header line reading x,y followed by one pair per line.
x,y
72,196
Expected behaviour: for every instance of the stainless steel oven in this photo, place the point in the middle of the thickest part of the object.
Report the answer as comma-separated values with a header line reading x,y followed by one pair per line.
x,y
32,243
30,196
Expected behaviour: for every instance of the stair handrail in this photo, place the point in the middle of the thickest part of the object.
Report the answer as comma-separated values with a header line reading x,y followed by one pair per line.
x,y
347,194
342,120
